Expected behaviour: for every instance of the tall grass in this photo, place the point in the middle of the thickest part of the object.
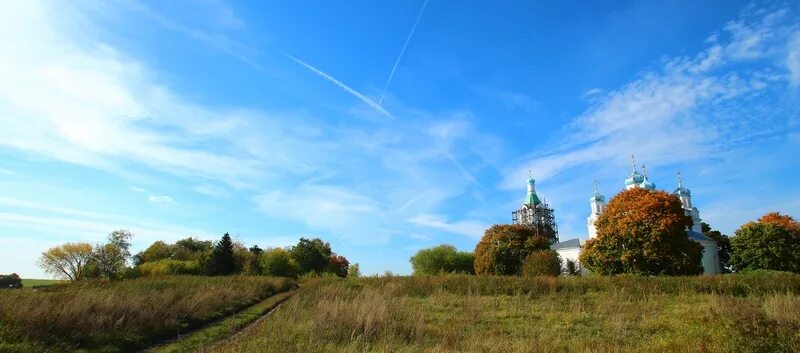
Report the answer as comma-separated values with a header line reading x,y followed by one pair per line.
x,y
125,315
459,313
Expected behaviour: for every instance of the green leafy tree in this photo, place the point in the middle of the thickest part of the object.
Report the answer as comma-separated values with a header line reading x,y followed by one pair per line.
x,y
159,250
278,262
503,248
10,281
542,263
723,246
243,258
67,261
442,259
354,271
191,249
222,261
255,252
571,268
312,255
766,245
643,232
109,260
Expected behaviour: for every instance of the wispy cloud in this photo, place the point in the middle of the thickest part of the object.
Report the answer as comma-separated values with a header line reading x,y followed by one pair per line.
x,y
220,42
341,85
402,51
678,113
471,229
160,199
138,189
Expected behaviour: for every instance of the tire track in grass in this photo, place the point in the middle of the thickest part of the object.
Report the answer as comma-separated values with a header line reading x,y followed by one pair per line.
x,y
223,330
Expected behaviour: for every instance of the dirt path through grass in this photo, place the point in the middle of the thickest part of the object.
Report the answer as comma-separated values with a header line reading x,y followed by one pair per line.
x,y
211,335
249,326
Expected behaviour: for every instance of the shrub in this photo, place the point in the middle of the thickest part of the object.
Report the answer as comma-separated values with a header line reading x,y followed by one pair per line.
x,y
278,262
442,259
542,263
169,267
10,281
643,232
503,248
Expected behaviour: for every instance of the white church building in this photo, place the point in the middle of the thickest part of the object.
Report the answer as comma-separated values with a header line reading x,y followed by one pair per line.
x,y
571,249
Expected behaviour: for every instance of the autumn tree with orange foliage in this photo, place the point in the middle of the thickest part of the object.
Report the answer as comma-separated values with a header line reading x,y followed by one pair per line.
x,y
643,232
503,248
771,243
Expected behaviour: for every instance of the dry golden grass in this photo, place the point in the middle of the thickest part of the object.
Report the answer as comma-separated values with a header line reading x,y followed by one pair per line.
x,y
736,313
124,315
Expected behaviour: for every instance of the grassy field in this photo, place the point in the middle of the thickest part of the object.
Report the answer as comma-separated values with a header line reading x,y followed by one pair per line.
x,y
30,282
758,312
125,315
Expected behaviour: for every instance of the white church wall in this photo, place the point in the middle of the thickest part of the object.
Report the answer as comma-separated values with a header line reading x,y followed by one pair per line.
x,y
569,254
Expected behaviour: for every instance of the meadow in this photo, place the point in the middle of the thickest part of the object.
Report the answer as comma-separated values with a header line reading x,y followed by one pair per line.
x,y
31,282
125,315
755,312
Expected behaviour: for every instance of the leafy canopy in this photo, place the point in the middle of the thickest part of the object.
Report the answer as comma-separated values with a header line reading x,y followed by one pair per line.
x,y
771,243
542,263
503,248
278,262
312,255
643,232
442,259
67,261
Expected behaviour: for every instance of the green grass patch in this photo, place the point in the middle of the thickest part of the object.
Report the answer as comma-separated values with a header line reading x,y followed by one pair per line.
x,y
757,312
30,282
126,315
218,331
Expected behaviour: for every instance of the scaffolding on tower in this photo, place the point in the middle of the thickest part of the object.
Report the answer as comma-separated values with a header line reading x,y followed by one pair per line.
x,y
539,217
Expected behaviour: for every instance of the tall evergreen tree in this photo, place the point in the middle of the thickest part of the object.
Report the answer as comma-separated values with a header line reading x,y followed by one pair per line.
x,y
222,261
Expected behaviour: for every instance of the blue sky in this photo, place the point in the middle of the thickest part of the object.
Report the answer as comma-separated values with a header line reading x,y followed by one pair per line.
x,y
265,119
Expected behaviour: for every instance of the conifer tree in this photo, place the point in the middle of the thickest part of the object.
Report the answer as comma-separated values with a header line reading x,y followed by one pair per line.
x,y
222,261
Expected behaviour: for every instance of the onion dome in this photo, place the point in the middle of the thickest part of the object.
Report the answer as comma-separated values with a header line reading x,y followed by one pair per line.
x,y
681,191
531,199
596,197
636,178
647,185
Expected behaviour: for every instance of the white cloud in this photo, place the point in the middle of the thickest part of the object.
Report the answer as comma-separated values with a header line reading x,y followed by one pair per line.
x,y
160,199
470,229
671,115
328,208
591,93
138,189
212,190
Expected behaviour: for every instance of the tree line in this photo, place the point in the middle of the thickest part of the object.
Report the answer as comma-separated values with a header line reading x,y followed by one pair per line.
x,y
191,256
640,232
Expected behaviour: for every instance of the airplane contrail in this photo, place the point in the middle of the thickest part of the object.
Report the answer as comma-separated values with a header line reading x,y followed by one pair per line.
x,y
341,85
402,51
